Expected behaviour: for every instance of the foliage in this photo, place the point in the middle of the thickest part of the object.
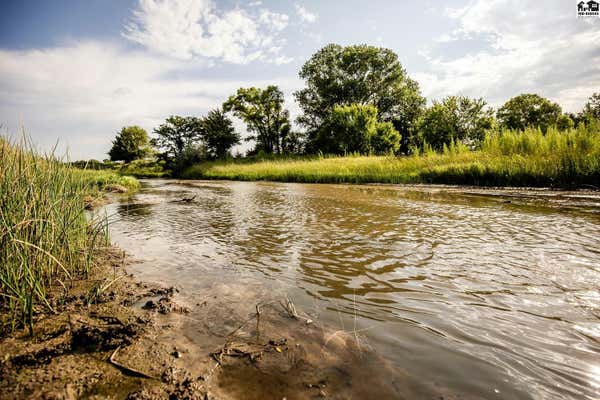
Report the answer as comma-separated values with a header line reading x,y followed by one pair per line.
x,y
506,158
93,164
45,238
455,118
143,169
386,139
591,110
218,134
528,110
262,111
362,74
176,135
565,123
179,138
354,128
131,143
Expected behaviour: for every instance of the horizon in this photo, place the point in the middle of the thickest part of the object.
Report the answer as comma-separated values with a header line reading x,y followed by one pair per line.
x,y
76,73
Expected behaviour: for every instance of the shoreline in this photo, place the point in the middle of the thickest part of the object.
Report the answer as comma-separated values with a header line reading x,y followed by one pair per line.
x,y
135,341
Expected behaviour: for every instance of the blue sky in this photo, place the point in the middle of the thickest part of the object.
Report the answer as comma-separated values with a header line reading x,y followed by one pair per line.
x,y
76,71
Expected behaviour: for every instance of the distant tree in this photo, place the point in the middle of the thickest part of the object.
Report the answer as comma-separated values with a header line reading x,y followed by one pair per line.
x,y
179,138
293,143
591,110
355,128
262,111
386,139
218,134
565,122
177,134
528,110
131,143
362,74
455,118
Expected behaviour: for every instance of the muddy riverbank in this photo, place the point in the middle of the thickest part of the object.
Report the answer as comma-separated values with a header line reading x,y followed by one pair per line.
x,y
135,340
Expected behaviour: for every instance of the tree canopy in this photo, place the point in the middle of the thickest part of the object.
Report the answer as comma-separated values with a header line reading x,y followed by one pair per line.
x,y
176,134
455,118
263,112
360,74
218,133
592,108
131,143
528,110
355,128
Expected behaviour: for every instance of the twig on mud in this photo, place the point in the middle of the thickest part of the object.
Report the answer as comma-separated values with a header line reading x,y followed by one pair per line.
x,y
126,369
257,322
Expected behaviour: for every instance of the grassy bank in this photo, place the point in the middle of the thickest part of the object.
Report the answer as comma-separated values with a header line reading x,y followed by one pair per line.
x,y
527,158
46,241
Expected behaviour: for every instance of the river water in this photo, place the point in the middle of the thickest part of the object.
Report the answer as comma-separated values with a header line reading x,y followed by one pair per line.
x,y
488,294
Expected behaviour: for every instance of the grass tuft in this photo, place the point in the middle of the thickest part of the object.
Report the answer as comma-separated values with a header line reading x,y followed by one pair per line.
x,y
46,238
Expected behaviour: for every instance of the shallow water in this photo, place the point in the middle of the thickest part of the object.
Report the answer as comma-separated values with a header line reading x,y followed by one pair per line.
x,y
486,294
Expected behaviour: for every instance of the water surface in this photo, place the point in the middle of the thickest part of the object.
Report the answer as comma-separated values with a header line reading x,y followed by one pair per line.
x,y
487,294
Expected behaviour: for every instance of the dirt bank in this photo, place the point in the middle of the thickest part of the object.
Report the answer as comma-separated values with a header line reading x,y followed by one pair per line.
x,y
120,339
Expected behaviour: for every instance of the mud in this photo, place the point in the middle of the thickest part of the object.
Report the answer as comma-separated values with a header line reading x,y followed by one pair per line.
x,y
138,341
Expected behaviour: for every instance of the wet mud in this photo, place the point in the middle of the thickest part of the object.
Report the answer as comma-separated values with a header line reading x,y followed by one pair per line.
x,y
139,341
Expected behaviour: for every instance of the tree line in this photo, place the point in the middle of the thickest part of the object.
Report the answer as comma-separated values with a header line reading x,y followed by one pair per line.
x,y
357,99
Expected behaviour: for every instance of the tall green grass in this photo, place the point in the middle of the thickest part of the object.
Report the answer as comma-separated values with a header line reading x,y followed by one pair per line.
x,y
46,240
530,158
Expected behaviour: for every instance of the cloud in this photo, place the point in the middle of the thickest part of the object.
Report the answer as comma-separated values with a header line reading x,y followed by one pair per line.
x,y
304,14
528,48
192,29
83,92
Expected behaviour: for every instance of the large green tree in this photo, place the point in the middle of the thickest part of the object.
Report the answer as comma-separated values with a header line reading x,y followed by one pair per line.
x,y
131,143
355,128
177,134
263,112
218,134
455,118
361,74
529,110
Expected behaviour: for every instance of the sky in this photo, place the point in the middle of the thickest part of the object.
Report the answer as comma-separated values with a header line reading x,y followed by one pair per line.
x,y
73,72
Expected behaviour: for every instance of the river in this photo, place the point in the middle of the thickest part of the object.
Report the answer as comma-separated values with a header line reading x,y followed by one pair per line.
x,y
488,294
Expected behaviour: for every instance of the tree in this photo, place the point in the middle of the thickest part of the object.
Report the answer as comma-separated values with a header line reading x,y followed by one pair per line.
x,y
528,110
131,143
218,134
177,134
564,123
180,138
361,74
455,118
354,128
591,110
262,111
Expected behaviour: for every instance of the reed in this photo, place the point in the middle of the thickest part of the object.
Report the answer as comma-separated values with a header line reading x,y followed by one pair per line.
x,y
506,158
46,239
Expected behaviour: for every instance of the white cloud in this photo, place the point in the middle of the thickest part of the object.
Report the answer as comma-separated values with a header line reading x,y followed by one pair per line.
x,y
191,29
304,14
530,48
84,92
